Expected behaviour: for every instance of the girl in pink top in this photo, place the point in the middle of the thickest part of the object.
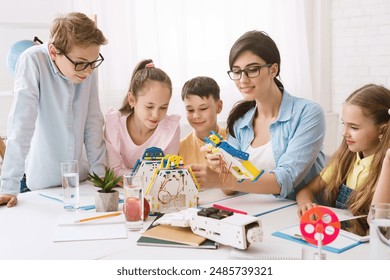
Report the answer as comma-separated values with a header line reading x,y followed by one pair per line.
x,y
142,121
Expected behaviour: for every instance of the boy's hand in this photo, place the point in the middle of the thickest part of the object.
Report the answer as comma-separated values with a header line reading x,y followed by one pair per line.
x,y
213,159
228,192
8,199
205,176
209,178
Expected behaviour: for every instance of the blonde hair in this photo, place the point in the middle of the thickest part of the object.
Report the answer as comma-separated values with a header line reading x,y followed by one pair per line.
x,y
75,29
374,101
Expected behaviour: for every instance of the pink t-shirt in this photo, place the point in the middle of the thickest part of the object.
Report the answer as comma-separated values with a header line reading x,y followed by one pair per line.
x,y
122,153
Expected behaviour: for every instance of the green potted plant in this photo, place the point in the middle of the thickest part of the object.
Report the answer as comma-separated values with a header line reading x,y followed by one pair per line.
x,y
106,199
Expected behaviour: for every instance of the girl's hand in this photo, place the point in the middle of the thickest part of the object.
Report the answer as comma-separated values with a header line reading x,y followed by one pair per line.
x,y
304,207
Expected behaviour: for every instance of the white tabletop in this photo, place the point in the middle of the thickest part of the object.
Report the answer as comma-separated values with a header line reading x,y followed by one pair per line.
x,y
26,233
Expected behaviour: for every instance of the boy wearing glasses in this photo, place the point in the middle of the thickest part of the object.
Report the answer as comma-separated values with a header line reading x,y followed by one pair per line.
x,y
56,113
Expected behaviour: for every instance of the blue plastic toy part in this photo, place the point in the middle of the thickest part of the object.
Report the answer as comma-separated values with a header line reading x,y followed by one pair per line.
x,y
258,176
136,165
214,139
217,141
233,151
150,156
153,153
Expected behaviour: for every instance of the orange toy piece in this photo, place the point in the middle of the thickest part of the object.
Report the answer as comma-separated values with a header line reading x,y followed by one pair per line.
x,y
319,223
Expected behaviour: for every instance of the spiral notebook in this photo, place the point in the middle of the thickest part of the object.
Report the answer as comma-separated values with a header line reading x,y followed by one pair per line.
x,y
170,236
68,228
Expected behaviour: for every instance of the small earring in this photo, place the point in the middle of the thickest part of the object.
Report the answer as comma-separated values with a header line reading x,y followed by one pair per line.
x,y
380,137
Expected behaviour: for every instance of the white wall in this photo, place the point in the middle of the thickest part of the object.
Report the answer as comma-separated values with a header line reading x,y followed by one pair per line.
x,y
360,47
22,20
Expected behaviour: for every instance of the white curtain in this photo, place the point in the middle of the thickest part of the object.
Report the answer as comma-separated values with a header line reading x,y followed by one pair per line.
x,y
188,38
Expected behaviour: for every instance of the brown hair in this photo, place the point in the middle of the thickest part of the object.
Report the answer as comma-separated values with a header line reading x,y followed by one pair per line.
x,y
260,44
75,29
144,73
374,101
201,86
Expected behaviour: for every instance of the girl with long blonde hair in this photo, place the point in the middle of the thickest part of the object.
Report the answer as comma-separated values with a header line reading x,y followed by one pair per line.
x,y
349,180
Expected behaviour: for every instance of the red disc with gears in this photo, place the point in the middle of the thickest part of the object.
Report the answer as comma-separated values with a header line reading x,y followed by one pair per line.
x,y
319,223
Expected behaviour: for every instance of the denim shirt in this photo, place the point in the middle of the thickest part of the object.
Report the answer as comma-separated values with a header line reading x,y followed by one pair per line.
x,y
297,137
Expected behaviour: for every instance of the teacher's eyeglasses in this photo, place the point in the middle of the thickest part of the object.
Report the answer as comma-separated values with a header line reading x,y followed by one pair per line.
x,y
250,72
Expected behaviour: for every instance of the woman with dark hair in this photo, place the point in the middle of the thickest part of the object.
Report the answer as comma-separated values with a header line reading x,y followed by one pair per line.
x,y
282,134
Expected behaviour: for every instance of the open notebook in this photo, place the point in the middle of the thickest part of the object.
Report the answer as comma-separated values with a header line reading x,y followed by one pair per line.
x,y
68,229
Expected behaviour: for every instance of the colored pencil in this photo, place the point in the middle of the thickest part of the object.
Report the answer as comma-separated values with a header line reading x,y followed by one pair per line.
x,y
99,217
220,207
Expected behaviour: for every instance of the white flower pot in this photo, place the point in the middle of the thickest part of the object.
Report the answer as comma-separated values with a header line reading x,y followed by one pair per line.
x,y
106,202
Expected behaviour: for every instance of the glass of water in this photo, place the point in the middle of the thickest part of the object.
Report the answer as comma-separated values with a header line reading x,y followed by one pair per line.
x,y
70,185
380,231
133,207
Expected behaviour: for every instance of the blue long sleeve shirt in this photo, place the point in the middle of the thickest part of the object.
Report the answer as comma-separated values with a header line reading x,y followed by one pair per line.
x,y
51,120
297,141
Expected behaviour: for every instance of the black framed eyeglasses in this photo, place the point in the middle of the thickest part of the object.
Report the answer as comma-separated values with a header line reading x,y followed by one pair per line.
x,y
80,66
250,72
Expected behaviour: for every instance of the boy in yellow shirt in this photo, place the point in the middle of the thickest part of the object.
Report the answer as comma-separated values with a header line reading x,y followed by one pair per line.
x,y
202,101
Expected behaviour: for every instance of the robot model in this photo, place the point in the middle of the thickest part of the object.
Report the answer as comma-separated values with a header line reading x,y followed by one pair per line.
x,y
169,186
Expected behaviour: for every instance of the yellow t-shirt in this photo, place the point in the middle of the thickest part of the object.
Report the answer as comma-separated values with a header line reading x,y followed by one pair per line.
x,y
358,174
189,148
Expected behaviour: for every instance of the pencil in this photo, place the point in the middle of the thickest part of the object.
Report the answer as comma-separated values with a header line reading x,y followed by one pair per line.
x,y
99,217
